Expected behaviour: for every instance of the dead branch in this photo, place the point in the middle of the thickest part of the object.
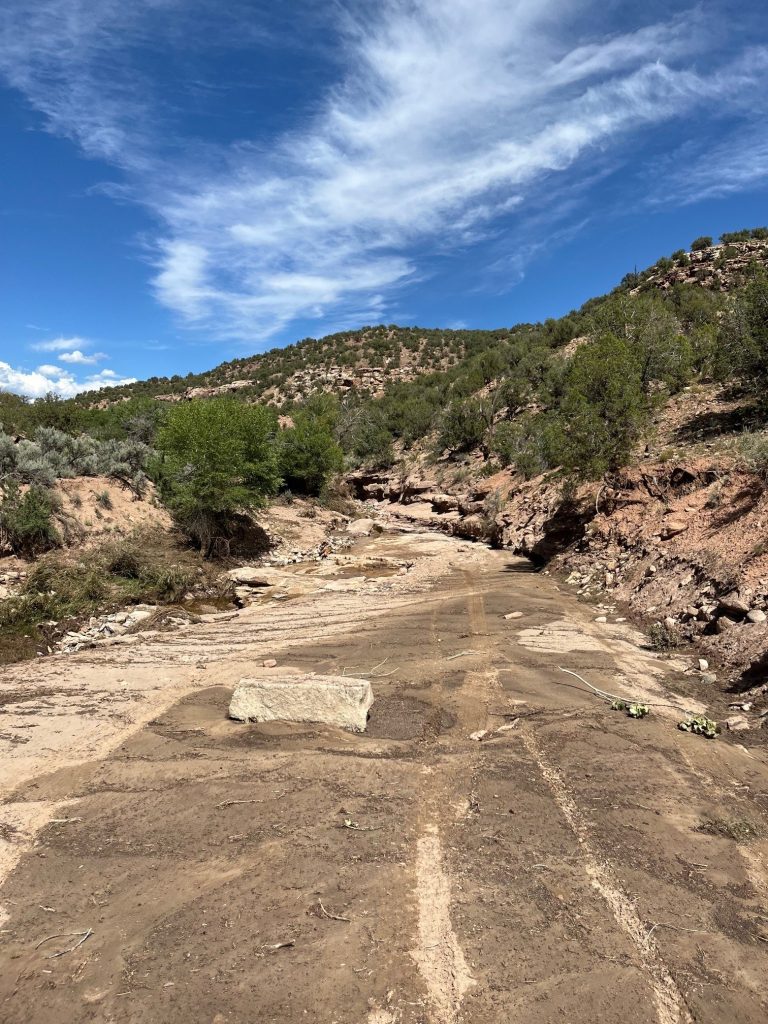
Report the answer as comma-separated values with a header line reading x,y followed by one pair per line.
x,y
461,654
331,917
84,936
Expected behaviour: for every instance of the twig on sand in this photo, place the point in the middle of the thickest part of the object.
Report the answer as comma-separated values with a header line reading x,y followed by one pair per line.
x,y
280,945
84,936
348,823
331,917
676,927
264,800
461,654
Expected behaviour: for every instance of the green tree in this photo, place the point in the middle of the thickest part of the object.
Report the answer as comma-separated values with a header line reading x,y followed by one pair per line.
x,y
700,243
308,453
218,459
601,410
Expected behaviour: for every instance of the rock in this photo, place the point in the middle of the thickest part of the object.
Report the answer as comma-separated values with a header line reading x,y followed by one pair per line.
x,y
249,576
601,618
269,663
479,735
735,603
724,623
360,527
443,502
756,615
709,678
139,615
673,527
737,723
333,700
703,664
513,615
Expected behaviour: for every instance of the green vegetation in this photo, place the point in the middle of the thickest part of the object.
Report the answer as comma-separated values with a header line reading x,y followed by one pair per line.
x,y
27,519
572,395
703,242
136,569
217,460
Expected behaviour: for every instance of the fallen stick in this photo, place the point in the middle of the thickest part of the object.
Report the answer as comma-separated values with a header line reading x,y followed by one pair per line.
x,y
84,936
461,654
331,917
676,927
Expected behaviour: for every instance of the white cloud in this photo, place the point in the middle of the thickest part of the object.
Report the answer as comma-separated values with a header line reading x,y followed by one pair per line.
x,y
61,344
453,114
80,358
37,383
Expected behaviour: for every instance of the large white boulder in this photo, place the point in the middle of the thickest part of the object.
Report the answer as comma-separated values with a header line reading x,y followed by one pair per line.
x,y
333,700
360,527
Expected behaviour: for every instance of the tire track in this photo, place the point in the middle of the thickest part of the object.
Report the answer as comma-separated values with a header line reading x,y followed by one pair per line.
x,y
670,1003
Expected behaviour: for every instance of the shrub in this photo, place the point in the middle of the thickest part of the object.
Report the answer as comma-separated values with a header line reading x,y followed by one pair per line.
x,y
308,454
701,243
519,443
600,411
104,500
27,519
218,459
464,425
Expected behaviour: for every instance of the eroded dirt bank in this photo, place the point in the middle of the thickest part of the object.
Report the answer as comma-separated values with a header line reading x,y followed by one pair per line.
x,y
568,864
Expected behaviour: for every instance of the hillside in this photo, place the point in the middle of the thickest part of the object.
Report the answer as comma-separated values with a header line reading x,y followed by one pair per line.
x,y
367,361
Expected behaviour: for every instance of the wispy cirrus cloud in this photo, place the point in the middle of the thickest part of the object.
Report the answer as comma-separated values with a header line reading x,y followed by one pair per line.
x,y
453,115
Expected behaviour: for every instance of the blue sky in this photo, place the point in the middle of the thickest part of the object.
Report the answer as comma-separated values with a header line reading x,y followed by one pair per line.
x,y
185,181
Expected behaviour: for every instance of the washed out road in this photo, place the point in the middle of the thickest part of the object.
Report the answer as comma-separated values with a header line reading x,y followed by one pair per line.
x,y
499,846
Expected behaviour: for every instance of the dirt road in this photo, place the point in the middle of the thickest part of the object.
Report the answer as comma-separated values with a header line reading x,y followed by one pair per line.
x,y
570,865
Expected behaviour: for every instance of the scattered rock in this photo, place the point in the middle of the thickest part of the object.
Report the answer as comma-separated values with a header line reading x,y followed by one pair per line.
x,y
513,615
703,664
724,623
737,723
479,735
269,663
709,678
601,618
734,603
756,615
672,528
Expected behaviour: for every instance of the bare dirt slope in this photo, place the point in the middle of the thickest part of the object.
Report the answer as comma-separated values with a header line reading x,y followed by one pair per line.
x,y
570,864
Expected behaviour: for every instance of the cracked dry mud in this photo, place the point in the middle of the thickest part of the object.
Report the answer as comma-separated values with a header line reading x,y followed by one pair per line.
x,y
553,871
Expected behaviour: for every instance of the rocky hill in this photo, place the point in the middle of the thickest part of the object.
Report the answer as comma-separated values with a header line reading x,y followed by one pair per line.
x,y
721,267
364,361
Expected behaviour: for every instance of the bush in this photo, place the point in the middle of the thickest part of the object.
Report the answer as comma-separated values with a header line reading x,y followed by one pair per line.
x,y
27,519
464,425
600,411
218,459
701,243
519,443
308,454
